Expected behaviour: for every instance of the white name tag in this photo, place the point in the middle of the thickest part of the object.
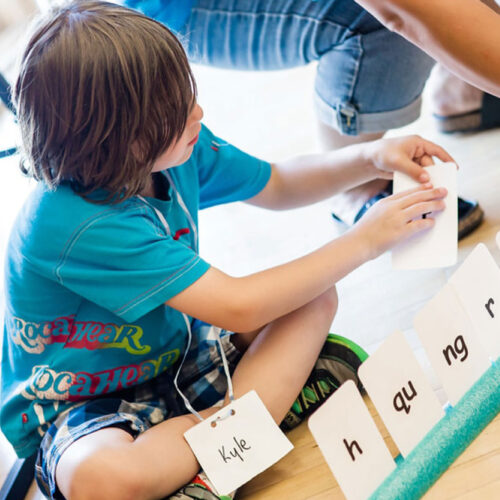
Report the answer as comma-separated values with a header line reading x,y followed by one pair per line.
x,y
438,246
451,344
235,449
401,392
477,284
350,442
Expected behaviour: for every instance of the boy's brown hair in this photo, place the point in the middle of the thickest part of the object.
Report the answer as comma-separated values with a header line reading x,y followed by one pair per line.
x,y
102,92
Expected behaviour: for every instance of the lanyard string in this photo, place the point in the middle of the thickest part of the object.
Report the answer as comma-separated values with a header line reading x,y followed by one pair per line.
x,y
158,214
184,398
184,207
186,319
224,362
226,367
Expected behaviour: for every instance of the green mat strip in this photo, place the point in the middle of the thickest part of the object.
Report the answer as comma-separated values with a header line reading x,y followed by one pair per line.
x,y
445,441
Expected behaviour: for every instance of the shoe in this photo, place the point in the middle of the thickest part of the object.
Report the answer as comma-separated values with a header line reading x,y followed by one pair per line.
x,y
199,488
470,214
484,118
379,196
338,361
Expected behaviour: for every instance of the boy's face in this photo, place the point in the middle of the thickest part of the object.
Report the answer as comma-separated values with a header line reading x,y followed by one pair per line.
x,y
179,152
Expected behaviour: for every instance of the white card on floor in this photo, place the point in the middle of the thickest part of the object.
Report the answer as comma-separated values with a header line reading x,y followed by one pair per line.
x,y
239,446
350,442
451,344
401,392
477,284
436,247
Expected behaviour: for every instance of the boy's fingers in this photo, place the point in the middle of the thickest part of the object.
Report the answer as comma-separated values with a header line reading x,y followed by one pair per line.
x,y
418,194
425,207
419,225
414,170
408,192
426,161
421,196
432,149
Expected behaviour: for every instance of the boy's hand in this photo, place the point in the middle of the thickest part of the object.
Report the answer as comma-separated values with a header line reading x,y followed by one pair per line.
x,y
404,154
397,217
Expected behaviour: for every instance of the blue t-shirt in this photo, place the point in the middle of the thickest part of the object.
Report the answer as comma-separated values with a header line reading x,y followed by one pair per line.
x,y
86,286
172,13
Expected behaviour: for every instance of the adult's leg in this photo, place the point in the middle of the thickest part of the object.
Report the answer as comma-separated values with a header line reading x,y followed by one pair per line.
x,y
347,205
370,83
369,79
458,106
110,464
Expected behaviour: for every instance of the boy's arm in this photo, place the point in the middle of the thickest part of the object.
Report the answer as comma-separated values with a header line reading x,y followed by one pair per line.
x,y
304,180
247,303
307,179
463,35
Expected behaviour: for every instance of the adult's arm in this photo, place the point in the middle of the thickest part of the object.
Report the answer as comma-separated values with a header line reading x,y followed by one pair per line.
x,y
463,35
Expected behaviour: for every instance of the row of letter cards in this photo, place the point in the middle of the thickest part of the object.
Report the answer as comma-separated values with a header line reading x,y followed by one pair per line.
x,y
460,331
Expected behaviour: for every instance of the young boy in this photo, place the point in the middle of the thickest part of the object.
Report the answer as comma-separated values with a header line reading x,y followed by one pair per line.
x,y
103,265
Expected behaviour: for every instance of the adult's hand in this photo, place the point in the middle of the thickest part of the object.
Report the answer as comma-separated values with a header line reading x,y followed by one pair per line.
x,y
463,35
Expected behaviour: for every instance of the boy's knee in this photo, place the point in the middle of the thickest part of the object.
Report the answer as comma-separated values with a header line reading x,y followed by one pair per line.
x,y
327,303
332,299
100,476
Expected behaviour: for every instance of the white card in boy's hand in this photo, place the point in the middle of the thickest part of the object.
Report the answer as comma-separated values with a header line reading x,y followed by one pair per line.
x,y
436,247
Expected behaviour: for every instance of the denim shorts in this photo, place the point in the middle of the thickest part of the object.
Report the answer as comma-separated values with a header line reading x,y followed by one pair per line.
x,y
368,79
136,409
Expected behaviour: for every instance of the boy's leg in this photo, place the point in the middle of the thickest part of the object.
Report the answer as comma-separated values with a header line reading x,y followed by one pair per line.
x,y
281,357
110,464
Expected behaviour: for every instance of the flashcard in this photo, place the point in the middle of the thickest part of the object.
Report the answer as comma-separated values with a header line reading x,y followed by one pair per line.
x,y
451,343
234,447
350,442
401,392
436,247
477,284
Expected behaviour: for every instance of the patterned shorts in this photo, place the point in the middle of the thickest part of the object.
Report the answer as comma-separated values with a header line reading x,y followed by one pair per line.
x,y
136,409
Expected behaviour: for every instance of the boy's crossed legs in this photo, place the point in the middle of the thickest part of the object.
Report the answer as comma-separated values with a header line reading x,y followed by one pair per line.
x,y
110,463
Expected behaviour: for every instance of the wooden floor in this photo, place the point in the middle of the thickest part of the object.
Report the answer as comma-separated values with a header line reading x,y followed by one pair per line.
x,y
303,474
271,115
